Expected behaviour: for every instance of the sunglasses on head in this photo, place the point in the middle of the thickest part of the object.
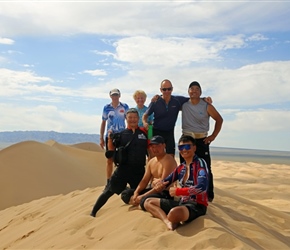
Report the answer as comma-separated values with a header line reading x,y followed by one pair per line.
x,y
164,89
184,146
132,110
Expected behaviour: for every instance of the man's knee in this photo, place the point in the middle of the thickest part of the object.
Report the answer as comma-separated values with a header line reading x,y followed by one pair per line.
x,y
148,203
126,195
142,202
109,154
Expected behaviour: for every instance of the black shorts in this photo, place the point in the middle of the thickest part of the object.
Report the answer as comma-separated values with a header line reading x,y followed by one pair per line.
x,y
195,210
164,194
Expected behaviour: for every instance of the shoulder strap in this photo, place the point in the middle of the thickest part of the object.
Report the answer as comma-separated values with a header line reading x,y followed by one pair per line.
x,y
129,142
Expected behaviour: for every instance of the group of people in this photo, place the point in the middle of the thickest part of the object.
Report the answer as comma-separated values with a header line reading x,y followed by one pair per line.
x,y
154,188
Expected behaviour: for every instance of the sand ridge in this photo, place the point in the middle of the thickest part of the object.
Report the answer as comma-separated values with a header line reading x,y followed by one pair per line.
x,y
251,209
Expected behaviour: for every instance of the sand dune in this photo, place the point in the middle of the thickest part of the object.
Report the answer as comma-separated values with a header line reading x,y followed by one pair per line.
x,y
32,170
251,209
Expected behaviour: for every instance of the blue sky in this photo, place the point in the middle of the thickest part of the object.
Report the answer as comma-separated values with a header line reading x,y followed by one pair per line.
x,y
59,60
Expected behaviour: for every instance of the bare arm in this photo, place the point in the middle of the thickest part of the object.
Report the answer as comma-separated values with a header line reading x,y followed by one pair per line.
x,y
145,121
102,131
145,180
218,123
169,166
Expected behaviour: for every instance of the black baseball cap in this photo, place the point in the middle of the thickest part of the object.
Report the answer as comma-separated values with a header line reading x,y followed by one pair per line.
x,y
195,83
157,139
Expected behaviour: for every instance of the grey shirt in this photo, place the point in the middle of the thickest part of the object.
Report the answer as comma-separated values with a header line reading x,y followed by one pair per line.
x,y
195,117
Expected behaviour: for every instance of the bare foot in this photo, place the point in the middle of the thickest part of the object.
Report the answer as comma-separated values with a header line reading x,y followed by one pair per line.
x,y
171,226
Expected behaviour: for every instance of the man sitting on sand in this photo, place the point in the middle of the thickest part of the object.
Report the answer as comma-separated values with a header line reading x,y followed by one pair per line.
x,y
160,166
192,177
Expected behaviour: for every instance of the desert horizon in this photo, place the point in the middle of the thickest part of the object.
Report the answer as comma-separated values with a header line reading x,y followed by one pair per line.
x,y
48,189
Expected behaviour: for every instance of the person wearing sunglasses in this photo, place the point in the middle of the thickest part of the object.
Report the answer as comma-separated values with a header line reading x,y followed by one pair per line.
x,y
165,109
195,121
191,189
131,167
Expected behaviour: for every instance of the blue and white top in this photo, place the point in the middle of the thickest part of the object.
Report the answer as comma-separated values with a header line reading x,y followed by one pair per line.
x,y
115,117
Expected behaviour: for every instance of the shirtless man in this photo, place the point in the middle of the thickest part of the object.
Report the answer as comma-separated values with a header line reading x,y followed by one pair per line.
x,y
157,168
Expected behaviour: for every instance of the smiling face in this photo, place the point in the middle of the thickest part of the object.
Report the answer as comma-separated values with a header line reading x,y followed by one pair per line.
x,y
140,100
132,119
166,88
194,92
187,150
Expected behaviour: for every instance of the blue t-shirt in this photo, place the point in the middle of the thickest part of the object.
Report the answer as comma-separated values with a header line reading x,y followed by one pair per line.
x,y
165,115
141,113
115,117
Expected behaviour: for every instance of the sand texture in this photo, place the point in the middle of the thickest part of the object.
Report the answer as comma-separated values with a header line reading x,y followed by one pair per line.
x,y
48,189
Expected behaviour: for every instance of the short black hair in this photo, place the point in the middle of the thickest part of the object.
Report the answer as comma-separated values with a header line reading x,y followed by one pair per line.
x,y
187,138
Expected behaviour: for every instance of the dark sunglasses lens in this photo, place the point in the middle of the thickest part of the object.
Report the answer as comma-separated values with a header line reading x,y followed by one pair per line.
x,y
185,146
169,89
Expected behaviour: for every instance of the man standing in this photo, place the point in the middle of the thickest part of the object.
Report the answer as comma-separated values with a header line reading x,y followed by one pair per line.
x,y
131,167
165,110
195,122
114,116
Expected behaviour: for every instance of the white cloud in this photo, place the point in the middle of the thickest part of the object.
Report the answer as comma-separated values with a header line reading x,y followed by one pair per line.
x,y
141,18
257,37
7,41
96,72
173,51
258,121
23,83
46,117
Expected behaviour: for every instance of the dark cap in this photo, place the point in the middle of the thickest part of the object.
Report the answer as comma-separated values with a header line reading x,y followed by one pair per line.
x,y
157,139
194,84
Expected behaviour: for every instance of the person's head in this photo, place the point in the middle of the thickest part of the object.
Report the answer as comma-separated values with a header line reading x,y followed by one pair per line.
x,y
166,88
140,98
157,145
187,147
194,90
132,118
115,94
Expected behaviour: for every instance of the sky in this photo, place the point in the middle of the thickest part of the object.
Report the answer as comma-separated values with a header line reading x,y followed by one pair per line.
x,y
60,59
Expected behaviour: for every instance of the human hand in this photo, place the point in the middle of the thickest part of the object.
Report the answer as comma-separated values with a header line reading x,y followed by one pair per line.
x,y
138,199
160,185
209,139
102,143
172,191
155,181
208,99
155,98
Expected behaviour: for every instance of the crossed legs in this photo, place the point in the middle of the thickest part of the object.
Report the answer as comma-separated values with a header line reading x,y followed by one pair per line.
x,y
171,216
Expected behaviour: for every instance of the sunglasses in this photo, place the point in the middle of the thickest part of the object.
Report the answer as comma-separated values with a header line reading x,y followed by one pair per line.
x,y
168,89
184,146
132,110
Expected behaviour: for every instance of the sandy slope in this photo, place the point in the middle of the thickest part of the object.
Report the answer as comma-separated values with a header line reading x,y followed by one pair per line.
x,y
31,170
251,209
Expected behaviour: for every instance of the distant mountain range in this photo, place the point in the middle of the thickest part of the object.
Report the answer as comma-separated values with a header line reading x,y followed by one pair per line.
x,y
43,136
